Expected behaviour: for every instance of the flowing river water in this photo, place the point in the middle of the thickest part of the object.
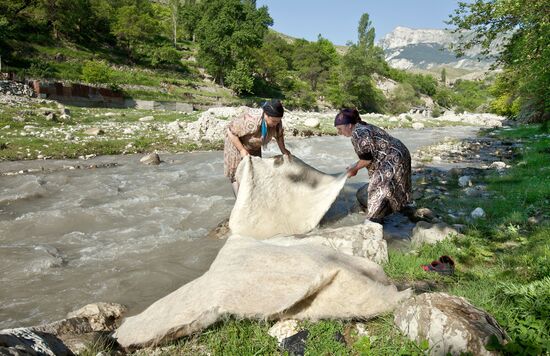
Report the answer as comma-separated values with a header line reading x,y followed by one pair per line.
x,y
130,233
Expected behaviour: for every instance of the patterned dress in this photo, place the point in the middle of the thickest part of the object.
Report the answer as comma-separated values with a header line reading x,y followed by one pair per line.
x,y
389,173
249,130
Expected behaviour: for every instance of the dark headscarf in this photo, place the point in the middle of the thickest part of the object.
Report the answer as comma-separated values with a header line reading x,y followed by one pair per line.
x,y
348,116
273,108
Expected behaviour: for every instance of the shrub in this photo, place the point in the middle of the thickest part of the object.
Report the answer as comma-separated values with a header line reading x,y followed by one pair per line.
x,y
40,69
165,55
96,72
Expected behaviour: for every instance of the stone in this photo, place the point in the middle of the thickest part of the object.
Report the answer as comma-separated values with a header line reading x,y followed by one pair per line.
x,y
312,122
426,233
477,213
151,159
128,131
283,329
174,126
51,117
364,240
94,131
498,165
100,316
146,119
450,324
417,125
465,181
25,341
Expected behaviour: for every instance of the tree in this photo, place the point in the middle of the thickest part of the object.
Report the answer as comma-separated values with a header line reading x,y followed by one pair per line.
x,y
228,32
189,16
313,60
175,9
524,27
354,77
444,76
134,23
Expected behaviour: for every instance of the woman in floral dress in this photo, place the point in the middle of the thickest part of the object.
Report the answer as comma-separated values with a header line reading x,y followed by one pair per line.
x,y
387,160
247,134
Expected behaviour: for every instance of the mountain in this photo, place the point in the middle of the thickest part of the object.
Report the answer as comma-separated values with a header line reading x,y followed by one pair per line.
x,y
429,49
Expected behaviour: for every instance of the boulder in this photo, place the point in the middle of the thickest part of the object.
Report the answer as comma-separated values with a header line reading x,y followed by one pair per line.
x,y
94,131
417,125
465,181
450,324
25,341
151,159
425,232
312,122
100,316
146,119
283,329
363,240
477,213
498,165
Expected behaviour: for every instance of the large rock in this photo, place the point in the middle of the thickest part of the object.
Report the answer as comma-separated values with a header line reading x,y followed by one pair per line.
x,y
364,240
427,233
312,122
100,316
24,341
65,336
450,324
150,159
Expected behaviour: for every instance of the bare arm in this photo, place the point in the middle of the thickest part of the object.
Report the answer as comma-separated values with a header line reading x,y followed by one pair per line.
x,y
352,171
281,143
236,141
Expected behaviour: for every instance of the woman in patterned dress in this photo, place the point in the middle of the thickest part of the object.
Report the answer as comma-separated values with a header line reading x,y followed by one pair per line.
x,y
387,160
246,134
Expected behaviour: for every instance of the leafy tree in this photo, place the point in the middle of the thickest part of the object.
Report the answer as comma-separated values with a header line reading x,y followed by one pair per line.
x,y
134,23
273,59
526,52
354,77
444,76
313,60
228,32
189,16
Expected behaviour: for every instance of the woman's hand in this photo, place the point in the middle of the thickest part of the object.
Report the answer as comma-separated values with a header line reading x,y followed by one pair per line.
x,y
352,171
244,152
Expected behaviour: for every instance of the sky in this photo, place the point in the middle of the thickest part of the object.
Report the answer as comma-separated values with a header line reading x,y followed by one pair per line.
x,y
337,20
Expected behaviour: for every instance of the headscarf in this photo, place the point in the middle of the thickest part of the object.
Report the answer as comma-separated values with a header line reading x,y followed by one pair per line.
x,y
273,108
348,116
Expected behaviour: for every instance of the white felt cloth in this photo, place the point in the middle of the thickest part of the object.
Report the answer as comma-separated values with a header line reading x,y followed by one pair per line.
x,y
261,280
281,196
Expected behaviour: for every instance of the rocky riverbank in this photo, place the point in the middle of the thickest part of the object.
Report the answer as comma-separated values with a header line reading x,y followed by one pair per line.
x,y
32,128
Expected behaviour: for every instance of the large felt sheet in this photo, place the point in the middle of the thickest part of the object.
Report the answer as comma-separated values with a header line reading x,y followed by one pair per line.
x,y
260,279
281,196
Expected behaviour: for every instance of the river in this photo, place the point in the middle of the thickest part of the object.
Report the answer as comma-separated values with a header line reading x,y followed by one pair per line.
x,y
130,233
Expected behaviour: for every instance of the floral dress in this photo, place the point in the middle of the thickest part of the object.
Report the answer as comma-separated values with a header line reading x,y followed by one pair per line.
x,y
389,173
249,130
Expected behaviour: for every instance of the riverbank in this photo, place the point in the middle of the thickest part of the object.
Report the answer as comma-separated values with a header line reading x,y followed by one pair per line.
x,y
32,128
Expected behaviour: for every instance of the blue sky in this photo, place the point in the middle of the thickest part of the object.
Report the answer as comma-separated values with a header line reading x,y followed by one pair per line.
x,y
337,20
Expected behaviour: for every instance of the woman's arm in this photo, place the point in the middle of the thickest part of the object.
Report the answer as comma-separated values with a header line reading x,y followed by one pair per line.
x,y
236,141
362,163
281,143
